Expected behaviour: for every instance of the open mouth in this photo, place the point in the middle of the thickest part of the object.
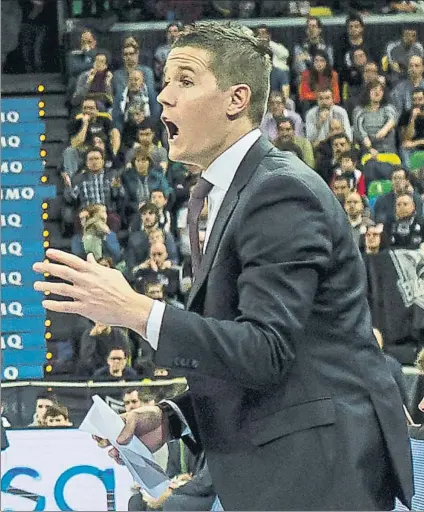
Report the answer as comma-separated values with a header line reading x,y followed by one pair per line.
x,y
171,128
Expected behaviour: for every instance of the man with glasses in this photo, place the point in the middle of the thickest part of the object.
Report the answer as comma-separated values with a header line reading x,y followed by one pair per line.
x,y
130,56
116,369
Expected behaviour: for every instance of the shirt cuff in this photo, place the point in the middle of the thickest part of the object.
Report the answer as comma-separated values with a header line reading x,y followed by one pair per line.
x,y
154,324
186,431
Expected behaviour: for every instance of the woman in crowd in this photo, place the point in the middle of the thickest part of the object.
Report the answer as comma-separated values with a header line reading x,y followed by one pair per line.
x,y
319,76
375,121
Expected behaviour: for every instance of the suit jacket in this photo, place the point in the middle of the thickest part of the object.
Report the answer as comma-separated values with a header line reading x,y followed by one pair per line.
x,y
290,396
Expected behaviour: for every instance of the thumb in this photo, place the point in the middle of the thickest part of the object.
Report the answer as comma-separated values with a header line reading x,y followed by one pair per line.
x,y
128,431
91,258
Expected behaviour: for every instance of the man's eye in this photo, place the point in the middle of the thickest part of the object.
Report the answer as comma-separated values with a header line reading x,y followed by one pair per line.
x,y
186,82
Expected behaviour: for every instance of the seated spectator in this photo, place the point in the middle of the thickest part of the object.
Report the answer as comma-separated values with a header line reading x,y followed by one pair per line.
x,y
159,268
56,416
144,138
278,107
354,207
135,95
138,241
81,59
87,125
320,76
116,369
369,74
96,344
291,147
401,96
353,40
329,151
130,54
162,52
95,82
399,52
375,122
384,208
280,74
96,238
43,401
412,127
131,127
159,198
304,53
374,239
94,185
407,231
140,180
347,169
353,77
286,134
340,188
319,117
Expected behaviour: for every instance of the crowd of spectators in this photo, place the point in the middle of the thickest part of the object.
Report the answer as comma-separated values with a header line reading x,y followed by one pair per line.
x,y
354,113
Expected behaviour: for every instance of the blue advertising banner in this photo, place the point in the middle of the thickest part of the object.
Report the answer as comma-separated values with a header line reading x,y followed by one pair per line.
x,y
17,224
24,130
22,194
15,277
23,323
23,340
21,167
35,356
22,294
21,372
21,153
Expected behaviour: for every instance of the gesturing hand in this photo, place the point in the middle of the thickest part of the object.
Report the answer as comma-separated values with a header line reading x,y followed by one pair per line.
x,y
99,293
147,423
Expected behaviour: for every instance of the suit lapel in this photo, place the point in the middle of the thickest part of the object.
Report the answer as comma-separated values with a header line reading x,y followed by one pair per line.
x,y
243,174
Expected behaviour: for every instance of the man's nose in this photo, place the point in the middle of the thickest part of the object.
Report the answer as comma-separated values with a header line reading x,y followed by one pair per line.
x,y
166,97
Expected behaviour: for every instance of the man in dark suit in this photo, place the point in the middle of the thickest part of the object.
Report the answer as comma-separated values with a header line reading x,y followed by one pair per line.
x,y
289,394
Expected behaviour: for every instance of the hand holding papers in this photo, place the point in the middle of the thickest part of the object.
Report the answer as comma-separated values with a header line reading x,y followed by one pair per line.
x,y
102,421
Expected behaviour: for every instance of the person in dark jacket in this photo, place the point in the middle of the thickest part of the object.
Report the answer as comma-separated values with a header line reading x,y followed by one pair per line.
x,y
140,180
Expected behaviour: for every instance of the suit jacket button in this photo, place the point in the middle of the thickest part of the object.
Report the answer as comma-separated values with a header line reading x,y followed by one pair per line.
x,y
194,363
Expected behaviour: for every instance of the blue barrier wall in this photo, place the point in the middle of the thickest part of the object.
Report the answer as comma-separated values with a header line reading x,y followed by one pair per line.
x,y
22,194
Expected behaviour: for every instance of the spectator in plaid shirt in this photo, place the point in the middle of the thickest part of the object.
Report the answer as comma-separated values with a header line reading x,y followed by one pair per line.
x,y
94,185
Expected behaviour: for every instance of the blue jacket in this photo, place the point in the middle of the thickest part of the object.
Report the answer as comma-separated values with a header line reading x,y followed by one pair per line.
x,y
155,179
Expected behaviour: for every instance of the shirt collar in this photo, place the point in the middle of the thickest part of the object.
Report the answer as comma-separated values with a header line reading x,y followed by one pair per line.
x,y
222,170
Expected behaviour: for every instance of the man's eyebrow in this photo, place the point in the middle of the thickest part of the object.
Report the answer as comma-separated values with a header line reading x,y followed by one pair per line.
x,y
181,68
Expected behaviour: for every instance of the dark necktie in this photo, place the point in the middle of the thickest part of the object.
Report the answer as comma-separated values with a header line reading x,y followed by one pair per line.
x,y
195,206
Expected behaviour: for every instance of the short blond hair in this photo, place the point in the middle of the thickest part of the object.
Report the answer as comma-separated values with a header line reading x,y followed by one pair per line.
x,y
237,57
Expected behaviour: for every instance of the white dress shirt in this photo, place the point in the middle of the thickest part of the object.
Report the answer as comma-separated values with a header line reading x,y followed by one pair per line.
x,y
220,173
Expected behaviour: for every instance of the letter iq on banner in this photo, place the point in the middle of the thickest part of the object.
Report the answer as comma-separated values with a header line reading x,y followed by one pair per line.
x,y
23,196
60,469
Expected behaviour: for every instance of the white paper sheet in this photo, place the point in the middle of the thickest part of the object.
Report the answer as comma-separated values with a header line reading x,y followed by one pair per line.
x,y
103,422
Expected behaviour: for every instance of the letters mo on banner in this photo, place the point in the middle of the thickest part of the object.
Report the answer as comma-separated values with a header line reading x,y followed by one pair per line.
x,y
22,195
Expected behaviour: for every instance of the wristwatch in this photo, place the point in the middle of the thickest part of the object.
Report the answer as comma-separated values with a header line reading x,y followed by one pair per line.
x,y
175,427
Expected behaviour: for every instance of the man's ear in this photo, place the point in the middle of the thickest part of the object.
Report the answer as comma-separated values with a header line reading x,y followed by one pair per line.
x,y
240,99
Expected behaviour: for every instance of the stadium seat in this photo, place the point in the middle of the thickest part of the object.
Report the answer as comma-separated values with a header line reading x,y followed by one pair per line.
x,y
320,11
379,187
385,64
417,160
387,158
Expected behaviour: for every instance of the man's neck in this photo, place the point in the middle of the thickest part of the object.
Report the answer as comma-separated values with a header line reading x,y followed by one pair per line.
x,y
232,135
149,230
355,220
372,250
315,40
356,41
416,81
